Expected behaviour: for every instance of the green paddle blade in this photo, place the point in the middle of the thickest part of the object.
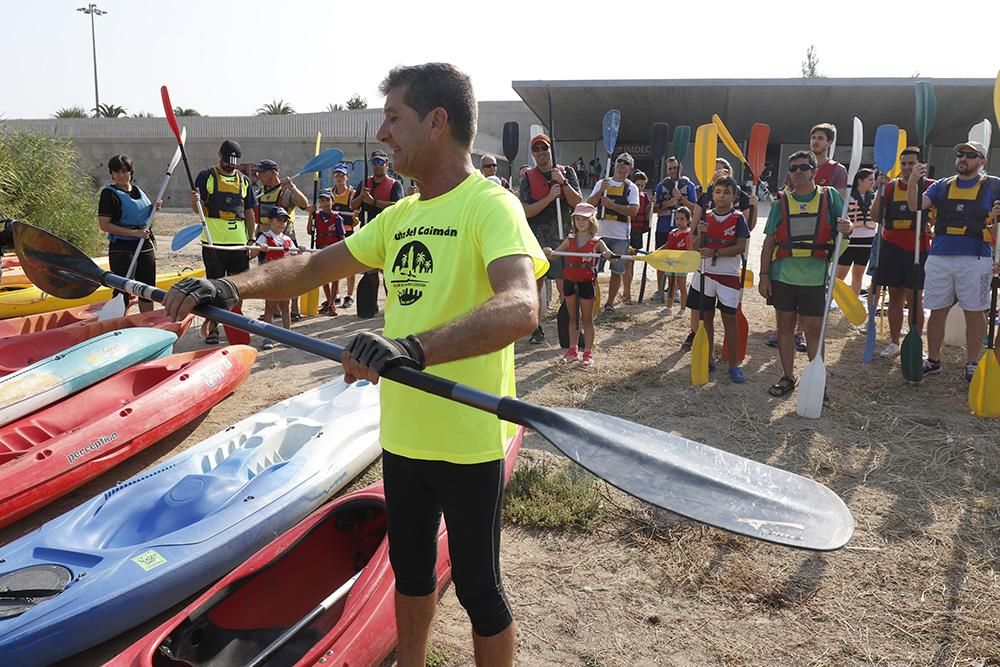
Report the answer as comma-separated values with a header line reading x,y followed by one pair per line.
x,y
682,139
926,109
911,356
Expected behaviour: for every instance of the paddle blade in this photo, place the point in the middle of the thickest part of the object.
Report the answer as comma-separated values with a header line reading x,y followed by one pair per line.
x,y
886,141
748,279
812,385
675,261
681,141
911,356
996,98
168,109
658,137
37,247
705,151
702,483
511,140
699,357
870,336
727,139
325,160
900,145
857,146
185,236
760,134
982,132
177,153
984,390
319,138
609,127
926,109
849,303
112,309
743,331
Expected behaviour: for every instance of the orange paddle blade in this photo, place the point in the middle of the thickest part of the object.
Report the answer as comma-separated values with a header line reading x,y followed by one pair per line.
x,y
743,330
757,149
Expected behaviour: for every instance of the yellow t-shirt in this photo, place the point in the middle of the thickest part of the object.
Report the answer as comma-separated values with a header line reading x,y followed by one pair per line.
x,y
434,254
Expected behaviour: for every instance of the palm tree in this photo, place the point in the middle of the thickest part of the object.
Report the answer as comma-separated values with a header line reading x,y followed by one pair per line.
x,y
334,107
109,111
71,112
143,114
276,108
181,111
357,102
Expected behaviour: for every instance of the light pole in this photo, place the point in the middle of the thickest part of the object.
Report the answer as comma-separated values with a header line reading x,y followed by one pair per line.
x,y
93,10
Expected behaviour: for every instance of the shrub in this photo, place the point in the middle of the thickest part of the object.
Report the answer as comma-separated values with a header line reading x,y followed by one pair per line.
x,y
542,496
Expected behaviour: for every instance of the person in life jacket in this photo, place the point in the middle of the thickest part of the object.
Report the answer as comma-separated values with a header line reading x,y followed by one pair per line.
x,y
277,192
672,192
579,277
123,213
229,205
617,199
959,263
328,228
639,229
275,245
798,243
380,191
542,189
895,268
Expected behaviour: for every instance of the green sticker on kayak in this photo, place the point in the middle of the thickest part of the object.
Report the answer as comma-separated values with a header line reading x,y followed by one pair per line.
x,y
149,560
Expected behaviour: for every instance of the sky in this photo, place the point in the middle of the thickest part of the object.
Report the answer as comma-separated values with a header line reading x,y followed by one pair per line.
x,y
230,58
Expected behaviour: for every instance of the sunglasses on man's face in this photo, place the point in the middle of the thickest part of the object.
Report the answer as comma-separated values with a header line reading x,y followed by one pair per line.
x,y
489,166
539,148
799,167
377,161
972,155
625,162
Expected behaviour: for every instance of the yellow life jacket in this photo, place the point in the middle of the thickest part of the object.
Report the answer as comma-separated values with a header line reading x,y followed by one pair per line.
x,y
268,201
224,208
619,195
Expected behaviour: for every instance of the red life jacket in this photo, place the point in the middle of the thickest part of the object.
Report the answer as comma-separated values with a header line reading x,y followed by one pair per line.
x,y
640,223
581,269
824,173
540,182
280,250
381,191
807,231
679,239
721,232
325,223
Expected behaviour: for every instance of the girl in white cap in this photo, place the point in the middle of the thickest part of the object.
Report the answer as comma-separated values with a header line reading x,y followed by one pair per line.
x,y
579,276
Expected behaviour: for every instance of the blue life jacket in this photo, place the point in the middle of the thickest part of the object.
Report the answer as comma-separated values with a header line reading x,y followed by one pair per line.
x,y
135,212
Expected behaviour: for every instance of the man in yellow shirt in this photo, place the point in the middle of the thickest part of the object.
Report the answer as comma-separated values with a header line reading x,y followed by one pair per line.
x,y
461,263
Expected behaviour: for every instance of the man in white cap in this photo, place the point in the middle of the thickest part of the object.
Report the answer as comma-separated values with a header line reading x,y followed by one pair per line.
x,y
617,200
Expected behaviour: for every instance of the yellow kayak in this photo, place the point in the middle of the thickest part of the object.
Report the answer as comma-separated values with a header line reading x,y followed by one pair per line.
x,y
16,302
12,274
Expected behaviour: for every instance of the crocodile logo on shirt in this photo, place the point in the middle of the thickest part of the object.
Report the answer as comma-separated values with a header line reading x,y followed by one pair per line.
x,y
410,272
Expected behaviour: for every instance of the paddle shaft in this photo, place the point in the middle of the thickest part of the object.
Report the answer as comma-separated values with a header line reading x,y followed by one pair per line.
x,y
149,220
832,275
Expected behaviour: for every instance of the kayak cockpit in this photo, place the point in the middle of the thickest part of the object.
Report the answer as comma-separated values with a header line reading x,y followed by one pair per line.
x,y
241,620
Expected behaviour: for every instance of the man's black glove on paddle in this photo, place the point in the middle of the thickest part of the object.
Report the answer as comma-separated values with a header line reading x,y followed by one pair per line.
x,y
380,353
210,291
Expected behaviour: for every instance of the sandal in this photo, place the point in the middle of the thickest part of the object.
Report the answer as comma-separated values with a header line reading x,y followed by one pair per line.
x,y
782,387
212,338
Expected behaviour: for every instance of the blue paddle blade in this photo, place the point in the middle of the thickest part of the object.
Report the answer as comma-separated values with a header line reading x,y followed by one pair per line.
x,y
185,236
886,145
612,121
325,160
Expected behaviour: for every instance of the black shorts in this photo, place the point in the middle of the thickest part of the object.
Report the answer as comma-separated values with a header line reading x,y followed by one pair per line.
x,y
694,303
661,239
555,267
222,263
120,254
856,255
471,498
636,239
809,301
581,290
896,269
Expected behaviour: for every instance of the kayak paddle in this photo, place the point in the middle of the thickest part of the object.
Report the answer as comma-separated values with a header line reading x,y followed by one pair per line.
x,y
705,150
812,384
664,469
849,303
309,305
115,307
511,139
676,261
609,134
728,141
886,143
982,132
658,137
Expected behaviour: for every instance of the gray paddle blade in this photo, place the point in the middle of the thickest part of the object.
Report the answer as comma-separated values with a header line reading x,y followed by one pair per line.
x,y
38,248
701,482
22,589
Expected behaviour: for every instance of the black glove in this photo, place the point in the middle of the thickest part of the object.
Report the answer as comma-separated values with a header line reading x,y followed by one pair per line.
x,y
210,291
381,354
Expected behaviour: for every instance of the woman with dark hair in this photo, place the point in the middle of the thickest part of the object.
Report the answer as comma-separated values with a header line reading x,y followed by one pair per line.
x,y
859,204
122,214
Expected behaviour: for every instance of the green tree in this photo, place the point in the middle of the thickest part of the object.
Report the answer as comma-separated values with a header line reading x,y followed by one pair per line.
x,y
143,114
276,108
70,112
357,102
109,111
334,107
181,111
810,66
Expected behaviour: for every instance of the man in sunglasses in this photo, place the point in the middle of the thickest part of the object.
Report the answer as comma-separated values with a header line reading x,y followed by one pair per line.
x,y
542,188
617,199
673,191
380,191
488,167
798,244
959,263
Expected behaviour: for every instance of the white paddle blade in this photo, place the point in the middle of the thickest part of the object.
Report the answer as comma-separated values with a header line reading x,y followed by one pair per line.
x,y
982,132
857,143
112,309
812,386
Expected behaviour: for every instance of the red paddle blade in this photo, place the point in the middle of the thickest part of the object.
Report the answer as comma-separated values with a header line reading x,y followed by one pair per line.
x,y
757,149
744,332
168,109
233,335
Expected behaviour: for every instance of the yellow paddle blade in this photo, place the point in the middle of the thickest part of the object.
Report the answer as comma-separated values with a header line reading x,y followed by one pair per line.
x,y
319,137
996,98
984,390
706,146
674,261
900,145
849,303
699,357
748,280
727,139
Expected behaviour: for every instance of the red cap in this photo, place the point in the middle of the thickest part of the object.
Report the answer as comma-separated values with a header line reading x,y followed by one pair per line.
x,y
541,139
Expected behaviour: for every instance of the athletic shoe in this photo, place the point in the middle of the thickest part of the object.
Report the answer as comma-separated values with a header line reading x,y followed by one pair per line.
x,y
891,350
588,360
569,357
268,344
772,339
931,367
296,317
537,336
669,310
679,313
970,370
736,375
657,297
348,302
800,342
677,295
688,342
336,301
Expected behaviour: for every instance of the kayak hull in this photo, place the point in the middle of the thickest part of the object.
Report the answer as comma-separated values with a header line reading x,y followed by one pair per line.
x,y
13,275
55,377
26,349
55,450
16,326
164,534
17,302
240,615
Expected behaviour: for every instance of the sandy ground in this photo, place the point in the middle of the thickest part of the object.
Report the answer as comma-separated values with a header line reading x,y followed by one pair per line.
x,y
918,584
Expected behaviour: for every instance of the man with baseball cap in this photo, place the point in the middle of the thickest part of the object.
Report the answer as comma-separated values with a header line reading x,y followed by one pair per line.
x,y
276,192
540,188
960,261
230,213
617,199
380,191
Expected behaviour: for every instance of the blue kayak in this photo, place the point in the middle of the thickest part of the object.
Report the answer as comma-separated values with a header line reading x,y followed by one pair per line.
x,y
45,382
161,536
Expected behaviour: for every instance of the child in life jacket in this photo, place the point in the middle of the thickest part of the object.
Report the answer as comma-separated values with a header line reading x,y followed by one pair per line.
x,y
579,277
276,245
328,226
679,238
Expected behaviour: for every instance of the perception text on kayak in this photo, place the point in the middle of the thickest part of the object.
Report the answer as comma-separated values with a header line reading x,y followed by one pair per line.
x,y
92,447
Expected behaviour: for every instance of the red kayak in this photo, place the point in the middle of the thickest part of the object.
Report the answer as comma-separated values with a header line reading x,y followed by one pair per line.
x,y
237,618
15,326
17,352
53,451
